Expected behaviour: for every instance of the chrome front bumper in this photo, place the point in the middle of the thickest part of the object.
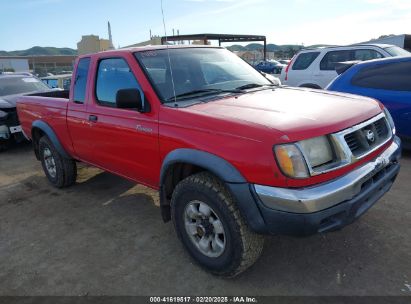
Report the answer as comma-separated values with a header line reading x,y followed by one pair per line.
x,y
326,195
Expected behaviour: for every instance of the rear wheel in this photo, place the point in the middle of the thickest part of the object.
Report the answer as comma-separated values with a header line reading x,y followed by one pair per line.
x,y
60,171
211,228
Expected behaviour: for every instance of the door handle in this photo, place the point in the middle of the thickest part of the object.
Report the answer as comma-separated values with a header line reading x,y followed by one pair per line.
x,y
93,118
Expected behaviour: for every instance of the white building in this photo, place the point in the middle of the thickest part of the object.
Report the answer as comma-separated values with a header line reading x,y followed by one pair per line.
x,y
14,64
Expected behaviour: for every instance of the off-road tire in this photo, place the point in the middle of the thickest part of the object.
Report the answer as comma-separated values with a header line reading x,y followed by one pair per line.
x,y
66,169
243,246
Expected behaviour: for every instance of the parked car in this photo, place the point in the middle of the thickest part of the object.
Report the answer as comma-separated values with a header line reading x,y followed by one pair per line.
x,y
269,67
315,68
12,86
58,81
389,81
284,61
233,156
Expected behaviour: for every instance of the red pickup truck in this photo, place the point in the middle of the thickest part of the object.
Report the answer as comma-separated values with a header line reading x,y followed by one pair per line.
x,y
233,156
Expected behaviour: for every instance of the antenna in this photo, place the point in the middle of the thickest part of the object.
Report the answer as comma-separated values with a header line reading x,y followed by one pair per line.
x,y
168,55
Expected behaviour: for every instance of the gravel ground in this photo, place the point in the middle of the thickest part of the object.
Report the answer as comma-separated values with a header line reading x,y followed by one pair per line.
x,y
105,236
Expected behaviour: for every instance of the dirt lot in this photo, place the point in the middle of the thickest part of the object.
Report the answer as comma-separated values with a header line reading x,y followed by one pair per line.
x,y
104,236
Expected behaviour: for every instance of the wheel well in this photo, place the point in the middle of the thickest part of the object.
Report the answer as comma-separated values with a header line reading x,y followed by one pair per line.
x,y
173,175
36,134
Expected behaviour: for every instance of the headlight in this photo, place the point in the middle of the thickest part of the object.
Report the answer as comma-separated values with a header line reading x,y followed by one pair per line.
x,y
390,120
295,159
317,150
291,161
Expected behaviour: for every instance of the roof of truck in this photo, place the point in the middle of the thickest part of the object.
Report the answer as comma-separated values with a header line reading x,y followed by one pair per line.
x,y
152,48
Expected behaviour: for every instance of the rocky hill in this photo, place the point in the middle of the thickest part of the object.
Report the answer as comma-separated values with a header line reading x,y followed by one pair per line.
x,y
39,51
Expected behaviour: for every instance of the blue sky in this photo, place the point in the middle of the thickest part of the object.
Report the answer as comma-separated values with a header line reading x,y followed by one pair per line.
x,y
61,23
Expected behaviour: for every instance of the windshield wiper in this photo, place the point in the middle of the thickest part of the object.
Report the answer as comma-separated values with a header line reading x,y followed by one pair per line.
x,y
253,85
202,92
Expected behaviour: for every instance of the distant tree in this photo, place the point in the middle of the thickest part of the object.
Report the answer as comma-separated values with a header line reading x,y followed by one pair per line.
x,y
290,52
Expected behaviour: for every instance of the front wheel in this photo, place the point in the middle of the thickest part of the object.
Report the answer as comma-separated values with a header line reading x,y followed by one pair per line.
x,y
211,228
60,171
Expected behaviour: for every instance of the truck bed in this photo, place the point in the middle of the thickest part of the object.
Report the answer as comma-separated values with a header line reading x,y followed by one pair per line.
x,y
48,107
43,102
54,94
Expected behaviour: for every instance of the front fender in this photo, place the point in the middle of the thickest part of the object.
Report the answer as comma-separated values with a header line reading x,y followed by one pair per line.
x,y
216,165
235,182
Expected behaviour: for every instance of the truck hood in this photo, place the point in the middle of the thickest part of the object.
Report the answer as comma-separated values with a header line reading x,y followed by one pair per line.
x,y
296,113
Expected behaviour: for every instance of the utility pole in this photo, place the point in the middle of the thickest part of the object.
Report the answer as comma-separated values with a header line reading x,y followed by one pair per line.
x,y
110,38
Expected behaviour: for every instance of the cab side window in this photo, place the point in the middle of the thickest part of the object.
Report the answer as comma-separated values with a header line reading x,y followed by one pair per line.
x,y
304,60
365,55
80,80
113,74
332,58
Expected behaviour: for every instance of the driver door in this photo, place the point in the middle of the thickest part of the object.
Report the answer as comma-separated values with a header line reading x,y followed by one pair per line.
x,y
125,141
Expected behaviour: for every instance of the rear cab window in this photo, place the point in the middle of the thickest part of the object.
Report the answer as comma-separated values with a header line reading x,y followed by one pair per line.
x,y
80,80
304,60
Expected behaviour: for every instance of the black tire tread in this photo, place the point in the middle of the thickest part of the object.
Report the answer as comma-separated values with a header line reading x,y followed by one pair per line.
x,y
252,242
69,167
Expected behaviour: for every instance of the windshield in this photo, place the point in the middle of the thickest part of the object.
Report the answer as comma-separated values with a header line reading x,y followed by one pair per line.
x,y
19,85
197,70
397,51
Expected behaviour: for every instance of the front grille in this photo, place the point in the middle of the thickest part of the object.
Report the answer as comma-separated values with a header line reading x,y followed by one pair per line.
x,y
355,142
368,137
381,128
352,142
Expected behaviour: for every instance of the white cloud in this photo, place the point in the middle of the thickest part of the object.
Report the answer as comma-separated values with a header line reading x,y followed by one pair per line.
x,y
396,4
209,0
384,17
234,6
380,17
221,6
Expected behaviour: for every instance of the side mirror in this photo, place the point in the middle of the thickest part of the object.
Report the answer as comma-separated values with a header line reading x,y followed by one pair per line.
x,y
131,99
